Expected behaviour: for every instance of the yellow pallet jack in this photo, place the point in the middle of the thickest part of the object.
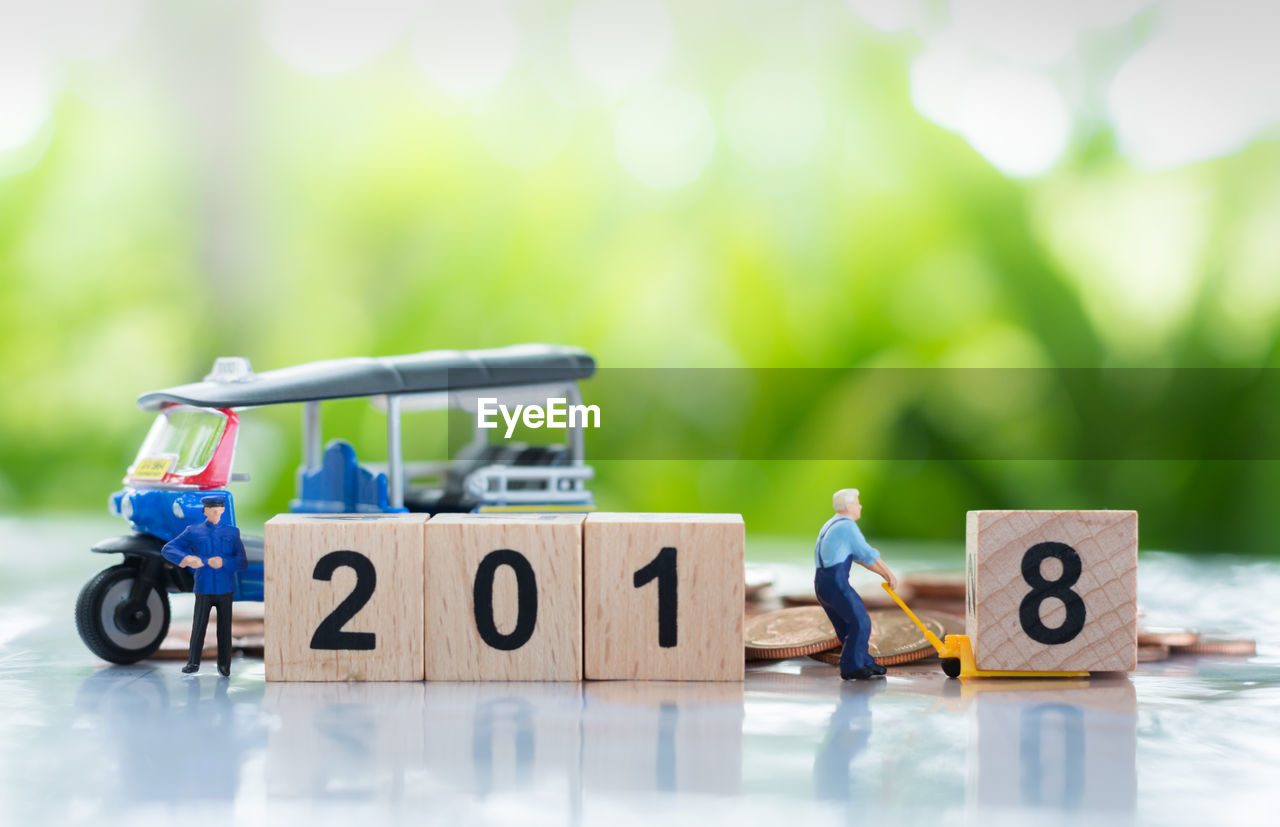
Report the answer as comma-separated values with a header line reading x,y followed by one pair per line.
x,y
957,653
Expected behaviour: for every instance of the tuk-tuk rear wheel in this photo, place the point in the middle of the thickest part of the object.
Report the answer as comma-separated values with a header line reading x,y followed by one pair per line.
x,y
115,629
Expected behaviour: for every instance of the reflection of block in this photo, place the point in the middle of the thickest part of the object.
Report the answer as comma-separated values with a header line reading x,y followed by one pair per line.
x,y
343,597
486,740
1070,744
663,596
680,736
1053,590
356,740
504,597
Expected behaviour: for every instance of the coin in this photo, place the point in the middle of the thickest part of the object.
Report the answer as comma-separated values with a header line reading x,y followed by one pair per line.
x,y
873,597
1166,636
787,633
757,580
1152,652
1210,645
933,585
894,638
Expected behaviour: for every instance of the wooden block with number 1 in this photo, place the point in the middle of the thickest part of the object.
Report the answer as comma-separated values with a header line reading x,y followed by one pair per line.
x,y
343,597
1052,590
663,596
504,597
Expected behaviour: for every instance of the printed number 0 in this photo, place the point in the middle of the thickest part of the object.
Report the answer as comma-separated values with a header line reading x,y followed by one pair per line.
x,y
526,599
1042,589
663,569
329,634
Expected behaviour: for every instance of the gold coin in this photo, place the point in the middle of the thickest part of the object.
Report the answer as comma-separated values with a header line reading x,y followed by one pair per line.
x,y
895,639
757,580
894,634
873,597
833,657
1152,652
1165,636
932,585
1208,645
787,633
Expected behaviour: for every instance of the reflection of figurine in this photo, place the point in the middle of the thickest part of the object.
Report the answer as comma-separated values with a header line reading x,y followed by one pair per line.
x,y
214,552
848,732
840,545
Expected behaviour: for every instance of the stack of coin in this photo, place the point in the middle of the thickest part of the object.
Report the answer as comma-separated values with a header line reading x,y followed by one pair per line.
x,y
789,633
246,636
937,591
894,639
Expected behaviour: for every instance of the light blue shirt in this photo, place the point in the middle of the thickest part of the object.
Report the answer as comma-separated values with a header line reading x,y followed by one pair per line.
x,y
840,540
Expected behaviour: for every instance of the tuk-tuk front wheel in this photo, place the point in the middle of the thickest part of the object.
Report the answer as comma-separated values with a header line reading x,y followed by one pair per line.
x,y
121,618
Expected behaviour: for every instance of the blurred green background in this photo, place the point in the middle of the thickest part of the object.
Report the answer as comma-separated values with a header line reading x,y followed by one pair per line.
x,y
973,183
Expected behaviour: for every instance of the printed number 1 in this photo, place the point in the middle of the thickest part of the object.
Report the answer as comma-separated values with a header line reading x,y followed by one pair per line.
x,y
663,569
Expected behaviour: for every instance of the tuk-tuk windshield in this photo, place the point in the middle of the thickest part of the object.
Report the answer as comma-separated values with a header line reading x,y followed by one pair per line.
x,y
181,442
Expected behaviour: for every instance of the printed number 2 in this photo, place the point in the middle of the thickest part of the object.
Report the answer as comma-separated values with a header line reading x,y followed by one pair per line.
x,y
1042,589
329,634
663,569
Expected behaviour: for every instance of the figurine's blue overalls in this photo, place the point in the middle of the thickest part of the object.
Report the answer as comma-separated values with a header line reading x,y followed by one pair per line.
x,y
213,587
840,545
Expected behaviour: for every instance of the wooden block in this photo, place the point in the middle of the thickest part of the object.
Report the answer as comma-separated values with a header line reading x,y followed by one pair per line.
x,y
504,597
343,597
1053,590
663,596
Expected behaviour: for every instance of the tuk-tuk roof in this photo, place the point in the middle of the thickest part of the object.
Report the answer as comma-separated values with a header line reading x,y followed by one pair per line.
x,y
433,370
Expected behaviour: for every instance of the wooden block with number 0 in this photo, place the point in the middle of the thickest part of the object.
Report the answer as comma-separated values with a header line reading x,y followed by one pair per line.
x,y
504,597
1053,590
663,596
343,597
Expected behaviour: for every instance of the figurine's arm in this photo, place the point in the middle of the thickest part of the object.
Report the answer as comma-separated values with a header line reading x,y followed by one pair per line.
x,y
178,552
241,557
881,569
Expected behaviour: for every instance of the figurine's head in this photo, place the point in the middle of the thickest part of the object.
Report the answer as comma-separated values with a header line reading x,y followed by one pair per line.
x,y
845,501
213,508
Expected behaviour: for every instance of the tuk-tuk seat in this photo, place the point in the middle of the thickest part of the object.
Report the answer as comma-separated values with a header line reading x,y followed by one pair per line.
x,y
340,485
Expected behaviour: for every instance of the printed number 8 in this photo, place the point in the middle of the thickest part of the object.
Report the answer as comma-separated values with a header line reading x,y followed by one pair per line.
x,y
1041,590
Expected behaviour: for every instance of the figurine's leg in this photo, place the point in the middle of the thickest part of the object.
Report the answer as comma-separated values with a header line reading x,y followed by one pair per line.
x,y
827,591
198,623
860,633
223,605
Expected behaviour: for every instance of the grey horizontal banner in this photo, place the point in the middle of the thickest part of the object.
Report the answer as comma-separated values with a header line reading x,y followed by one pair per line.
x,y
921,414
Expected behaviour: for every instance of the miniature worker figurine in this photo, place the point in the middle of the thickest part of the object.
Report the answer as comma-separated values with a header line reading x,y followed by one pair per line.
x,y
214,552
840,545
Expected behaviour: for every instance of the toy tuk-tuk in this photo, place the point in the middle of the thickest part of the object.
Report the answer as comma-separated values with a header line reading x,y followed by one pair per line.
x,y
122,613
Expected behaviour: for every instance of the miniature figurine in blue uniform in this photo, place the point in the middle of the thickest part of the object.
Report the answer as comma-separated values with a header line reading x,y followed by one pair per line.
x,y
840,545
213,551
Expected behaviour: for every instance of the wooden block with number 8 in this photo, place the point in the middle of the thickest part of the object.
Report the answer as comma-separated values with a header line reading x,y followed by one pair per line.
x,y
504,597
343,597
1052,590
663,596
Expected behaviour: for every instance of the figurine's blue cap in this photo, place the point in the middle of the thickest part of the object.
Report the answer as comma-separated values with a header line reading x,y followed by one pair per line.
x,y
220,502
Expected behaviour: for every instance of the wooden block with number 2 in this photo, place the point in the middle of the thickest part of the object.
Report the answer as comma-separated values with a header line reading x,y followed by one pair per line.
x,y
663,596
1053,590
343,597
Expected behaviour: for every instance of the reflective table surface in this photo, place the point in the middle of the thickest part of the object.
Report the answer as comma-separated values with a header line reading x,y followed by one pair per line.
x,y
1187,740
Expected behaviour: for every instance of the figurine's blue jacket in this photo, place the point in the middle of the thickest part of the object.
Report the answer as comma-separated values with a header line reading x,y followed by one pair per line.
x,y
840,540
208,540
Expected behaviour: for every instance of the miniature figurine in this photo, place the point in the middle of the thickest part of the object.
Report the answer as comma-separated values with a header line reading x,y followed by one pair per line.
x,y
215,553
840,545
